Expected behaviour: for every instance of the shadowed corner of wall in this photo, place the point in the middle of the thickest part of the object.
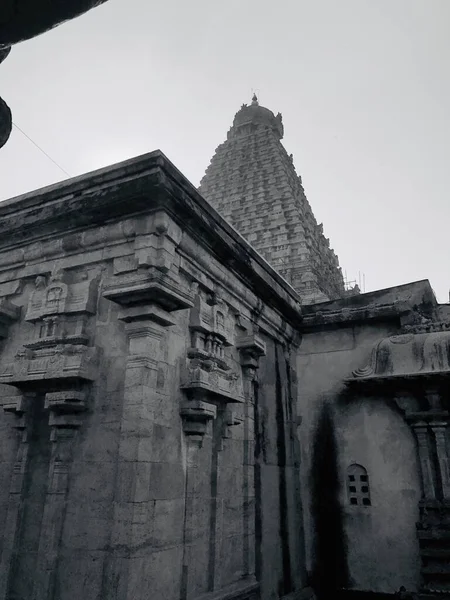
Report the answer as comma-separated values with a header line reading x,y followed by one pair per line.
x,y
344,401
329,569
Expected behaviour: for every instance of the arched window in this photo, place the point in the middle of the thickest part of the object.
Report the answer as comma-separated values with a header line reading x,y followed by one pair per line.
x,y
358,485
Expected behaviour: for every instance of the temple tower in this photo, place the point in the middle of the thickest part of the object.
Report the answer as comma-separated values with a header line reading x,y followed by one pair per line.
x,y
252,182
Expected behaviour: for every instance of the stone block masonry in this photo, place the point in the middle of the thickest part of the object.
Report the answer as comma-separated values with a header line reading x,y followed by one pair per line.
x,y
147,404
253,184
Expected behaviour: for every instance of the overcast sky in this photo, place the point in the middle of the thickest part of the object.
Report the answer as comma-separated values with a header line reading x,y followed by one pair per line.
x,y
363,86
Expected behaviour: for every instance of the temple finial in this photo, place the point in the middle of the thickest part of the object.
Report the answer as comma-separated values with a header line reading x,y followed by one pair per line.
x,y
255,100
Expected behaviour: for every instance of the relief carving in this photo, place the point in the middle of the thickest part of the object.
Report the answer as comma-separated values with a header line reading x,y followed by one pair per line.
x,y
59,310
59,358
51,364
208,370
59,297
210,379
58,352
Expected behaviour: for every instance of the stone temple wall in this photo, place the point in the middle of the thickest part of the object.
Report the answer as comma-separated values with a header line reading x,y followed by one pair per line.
x,y
374,475
148,432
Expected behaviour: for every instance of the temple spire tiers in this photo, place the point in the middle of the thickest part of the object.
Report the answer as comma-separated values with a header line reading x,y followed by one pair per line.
x,y
253,183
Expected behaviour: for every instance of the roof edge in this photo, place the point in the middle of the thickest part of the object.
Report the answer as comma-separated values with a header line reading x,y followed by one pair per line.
x,y
405,302
137,185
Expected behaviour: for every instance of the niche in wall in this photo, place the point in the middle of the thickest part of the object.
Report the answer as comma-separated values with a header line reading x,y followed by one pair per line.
x,y
358,488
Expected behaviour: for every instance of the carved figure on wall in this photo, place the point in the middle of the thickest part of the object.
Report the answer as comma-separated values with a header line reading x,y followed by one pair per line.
x,y
40,282
220,320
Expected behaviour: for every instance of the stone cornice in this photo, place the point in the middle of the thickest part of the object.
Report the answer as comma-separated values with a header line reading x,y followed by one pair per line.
x,y
64,214
210,273
347,316
405,305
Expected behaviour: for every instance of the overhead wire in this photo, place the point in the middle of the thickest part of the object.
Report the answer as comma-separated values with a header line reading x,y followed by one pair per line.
x,y
41,150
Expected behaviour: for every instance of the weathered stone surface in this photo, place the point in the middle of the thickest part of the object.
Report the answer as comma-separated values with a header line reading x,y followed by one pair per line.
x,y
132,354
172,421
382,399
252,182
409,355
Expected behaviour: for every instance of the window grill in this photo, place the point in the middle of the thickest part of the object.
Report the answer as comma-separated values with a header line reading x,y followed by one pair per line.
x,y
358,485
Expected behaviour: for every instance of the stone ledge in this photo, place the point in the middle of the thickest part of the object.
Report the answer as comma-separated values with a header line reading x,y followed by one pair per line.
x,y
147,287
140,186
345,316
68,363
222,387
407,304
244,590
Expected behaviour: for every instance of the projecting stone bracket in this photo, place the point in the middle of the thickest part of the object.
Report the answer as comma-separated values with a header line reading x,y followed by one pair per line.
x,y
148,312
149,280
220,386
16,406
251,349
65,402
148,286
216,389
231,420
64,408
196,415
209,380
65,362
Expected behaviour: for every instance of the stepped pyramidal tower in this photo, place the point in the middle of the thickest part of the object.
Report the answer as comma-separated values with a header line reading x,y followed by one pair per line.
x,y
252,182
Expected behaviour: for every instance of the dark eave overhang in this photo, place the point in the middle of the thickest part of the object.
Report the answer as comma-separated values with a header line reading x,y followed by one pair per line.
x,y
400,380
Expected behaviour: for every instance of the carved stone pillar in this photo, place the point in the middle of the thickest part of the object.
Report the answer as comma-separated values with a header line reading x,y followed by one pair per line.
x,y
64,418
132,509
60,360
439,429
251,348
15,405
208,380
148,289
62,438
421,432
196,415
190,532
217,503
429,427
213,387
